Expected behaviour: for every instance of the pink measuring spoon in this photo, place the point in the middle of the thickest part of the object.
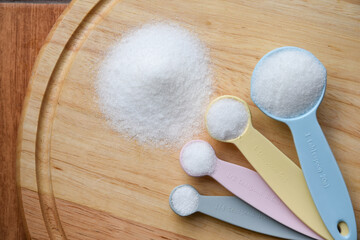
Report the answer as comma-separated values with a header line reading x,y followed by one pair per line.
x,y
198,158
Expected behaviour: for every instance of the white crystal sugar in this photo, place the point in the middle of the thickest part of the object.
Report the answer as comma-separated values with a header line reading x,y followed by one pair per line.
x,y
198,158
288,83
155,83
185,200
226,119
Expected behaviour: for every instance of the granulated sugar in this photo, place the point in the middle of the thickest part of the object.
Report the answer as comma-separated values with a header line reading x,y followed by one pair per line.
x,y
288,83
226,119
185,200
198,158
155,83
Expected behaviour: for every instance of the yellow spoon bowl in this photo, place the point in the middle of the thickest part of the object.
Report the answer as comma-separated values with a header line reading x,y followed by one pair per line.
x,y
280,173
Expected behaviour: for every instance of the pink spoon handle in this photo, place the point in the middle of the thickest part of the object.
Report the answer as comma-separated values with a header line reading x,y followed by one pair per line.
x,y
251,188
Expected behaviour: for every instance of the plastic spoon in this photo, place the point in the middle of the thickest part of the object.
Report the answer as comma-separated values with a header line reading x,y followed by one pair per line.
x,y
319,166
228,209
283,176
198,159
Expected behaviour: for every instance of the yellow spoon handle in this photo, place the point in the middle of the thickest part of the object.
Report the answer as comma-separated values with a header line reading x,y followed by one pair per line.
x,y
283,176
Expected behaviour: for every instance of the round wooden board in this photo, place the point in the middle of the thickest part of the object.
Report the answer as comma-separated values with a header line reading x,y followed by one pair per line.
x,y
92,183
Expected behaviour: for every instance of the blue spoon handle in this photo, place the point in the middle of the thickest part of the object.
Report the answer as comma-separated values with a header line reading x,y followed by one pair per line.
x,y
323,177
235,211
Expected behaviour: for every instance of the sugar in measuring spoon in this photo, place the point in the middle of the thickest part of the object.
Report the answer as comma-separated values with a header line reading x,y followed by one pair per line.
x,y
228,119
184,200
288,84
198,159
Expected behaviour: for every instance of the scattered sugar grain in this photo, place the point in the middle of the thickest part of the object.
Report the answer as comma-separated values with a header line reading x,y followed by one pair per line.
x,y
226,119
198,158
288,83
185,200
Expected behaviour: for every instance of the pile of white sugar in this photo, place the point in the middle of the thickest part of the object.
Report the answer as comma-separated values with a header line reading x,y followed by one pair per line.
x,y
184,200
155,83
198,158
288,82
227,119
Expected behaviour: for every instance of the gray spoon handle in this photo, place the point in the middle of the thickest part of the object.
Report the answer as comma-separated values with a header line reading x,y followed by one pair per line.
x,y
235,211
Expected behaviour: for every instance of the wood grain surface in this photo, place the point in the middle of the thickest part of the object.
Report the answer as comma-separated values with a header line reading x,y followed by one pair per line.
x,y
23,29
91,182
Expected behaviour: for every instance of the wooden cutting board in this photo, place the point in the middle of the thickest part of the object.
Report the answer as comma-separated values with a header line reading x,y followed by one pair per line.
x,y
91,182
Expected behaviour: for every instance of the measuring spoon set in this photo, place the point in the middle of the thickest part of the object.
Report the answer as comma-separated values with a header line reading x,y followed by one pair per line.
x,y
308,203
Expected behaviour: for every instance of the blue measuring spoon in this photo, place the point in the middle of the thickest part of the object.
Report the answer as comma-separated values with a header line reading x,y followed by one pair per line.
x,y
322,174
229,209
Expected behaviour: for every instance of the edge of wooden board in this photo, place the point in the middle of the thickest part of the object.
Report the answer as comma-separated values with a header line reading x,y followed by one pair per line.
x,y
47,201
24,111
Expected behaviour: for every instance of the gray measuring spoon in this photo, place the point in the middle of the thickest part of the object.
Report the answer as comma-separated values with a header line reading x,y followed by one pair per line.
x,y
185,200
288,84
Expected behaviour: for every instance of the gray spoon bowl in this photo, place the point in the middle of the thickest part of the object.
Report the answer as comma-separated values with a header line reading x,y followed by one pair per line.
x,y
232,210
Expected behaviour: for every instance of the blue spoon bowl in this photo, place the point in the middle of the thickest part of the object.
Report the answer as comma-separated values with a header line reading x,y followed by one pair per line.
x,y
322,174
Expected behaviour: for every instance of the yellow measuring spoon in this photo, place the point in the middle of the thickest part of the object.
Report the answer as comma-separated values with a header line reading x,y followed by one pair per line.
x,y
228,119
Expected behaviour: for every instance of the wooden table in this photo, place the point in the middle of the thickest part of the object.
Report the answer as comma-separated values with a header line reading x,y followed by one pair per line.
x,y
23,29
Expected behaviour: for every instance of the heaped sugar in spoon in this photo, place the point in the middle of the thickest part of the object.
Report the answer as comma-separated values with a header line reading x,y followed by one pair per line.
x,y
198,159
288,84
228,119
184,200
